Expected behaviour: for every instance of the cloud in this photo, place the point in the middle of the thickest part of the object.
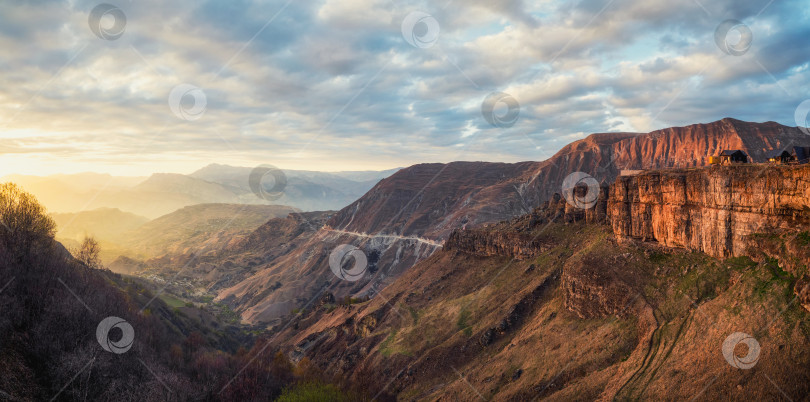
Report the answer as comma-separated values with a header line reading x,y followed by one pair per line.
x,y
332,85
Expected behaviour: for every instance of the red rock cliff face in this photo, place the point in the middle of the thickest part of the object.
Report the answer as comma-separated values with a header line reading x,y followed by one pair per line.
x,y
431,200
710,209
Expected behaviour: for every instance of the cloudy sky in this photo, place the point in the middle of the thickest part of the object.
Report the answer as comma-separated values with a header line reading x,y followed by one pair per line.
x,y
374,84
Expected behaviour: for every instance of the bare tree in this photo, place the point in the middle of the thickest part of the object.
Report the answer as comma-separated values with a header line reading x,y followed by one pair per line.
x,y
88,252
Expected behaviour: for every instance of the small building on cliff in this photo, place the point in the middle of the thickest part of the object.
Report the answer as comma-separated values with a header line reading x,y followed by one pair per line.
x,y
728,157
800,154
779,156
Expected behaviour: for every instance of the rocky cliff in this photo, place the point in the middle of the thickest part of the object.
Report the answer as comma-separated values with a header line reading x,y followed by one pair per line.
x,y
548,305
756,211
712,209
723,211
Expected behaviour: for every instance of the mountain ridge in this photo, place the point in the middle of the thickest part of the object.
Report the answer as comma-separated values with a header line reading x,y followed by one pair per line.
x,y
432,200
524,184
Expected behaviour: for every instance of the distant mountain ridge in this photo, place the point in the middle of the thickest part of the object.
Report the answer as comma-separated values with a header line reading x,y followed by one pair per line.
x,y
429,201
306,190
163,193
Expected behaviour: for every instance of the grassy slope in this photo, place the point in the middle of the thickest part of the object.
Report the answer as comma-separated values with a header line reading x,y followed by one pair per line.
x,y
668,345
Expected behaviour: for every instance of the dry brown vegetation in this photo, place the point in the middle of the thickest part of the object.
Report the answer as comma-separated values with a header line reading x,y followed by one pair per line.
x,y
592,319
52,303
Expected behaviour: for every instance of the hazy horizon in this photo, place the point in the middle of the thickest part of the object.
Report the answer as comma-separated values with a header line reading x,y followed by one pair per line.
x,y
185,172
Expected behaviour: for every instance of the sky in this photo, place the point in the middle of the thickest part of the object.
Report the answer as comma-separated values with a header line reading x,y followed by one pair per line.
x,y
138,87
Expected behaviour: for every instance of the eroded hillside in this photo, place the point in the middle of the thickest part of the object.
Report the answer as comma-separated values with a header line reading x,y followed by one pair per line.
x,y
562,304
576,316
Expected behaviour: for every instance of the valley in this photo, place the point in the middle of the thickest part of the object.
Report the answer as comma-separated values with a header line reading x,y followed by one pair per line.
x,y
404,218
496,271
264,269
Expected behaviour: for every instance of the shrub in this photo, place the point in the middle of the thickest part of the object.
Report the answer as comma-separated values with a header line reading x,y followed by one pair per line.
x,y
463,323
313,392
804,238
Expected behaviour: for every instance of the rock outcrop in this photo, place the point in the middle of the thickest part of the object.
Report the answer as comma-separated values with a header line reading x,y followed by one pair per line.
x,y
486,244
711,209
595,289
802,291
